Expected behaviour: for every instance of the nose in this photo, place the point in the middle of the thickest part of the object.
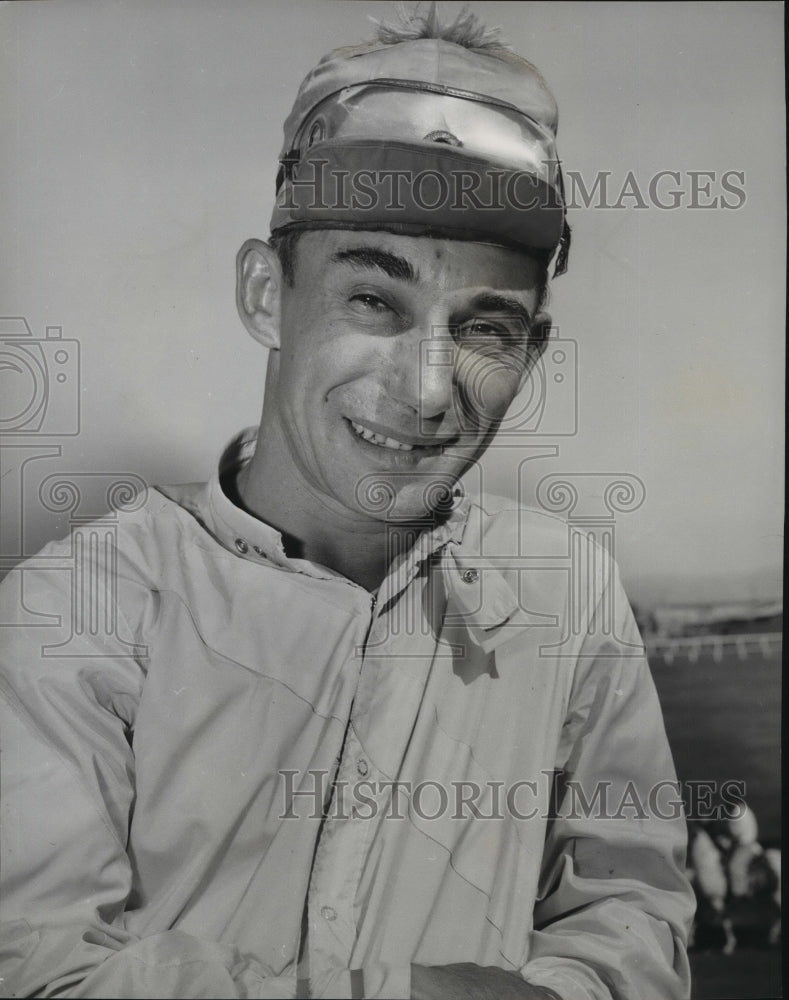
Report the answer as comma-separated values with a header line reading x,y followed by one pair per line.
x,y
424,371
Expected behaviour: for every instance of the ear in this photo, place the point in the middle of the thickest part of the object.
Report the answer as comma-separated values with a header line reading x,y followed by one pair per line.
x,y
259,292
538,340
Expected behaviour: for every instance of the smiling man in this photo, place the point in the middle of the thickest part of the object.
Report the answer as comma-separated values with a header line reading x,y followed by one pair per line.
x,y
352,398
352,733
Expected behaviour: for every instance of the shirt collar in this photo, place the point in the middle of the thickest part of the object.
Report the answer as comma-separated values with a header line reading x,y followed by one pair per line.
x,y
253,539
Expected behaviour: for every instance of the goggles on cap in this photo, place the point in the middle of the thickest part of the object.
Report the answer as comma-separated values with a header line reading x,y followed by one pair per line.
x,y
409,148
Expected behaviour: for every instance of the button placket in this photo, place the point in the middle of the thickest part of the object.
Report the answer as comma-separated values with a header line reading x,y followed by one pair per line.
x,y
338,865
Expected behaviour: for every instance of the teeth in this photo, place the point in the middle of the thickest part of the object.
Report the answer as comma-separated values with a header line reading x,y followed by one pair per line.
x,y
380,439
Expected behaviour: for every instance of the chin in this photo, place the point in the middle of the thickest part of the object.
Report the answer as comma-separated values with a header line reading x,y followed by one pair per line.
x,y
428,497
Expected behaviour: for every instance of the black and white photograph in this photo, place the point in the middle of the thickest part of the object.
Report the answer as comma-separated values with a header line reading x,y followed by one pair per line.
x,y
391,499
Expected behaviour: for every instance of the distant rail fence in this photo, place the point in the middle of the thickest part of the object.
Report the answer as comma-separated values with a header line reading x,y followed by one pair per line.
x,y
721,700
743,646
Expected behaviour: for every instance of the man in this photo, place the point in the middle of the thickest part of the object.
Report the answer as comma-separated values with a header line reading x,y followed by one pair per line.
x,y
353,736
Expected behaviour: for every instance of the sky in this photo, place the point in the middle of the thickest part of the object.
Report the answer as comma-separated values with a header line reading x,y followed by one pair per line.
x,y
140,150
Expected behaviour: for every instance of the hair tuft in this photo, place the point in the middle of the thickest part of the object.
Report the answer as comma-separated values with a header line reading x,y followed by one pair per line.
x,y
465,28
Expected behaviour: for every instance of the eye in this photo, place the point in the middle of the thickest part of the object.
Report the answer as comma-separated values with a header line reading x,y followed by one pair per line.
x,y
487,329
484,328
371,302
373,308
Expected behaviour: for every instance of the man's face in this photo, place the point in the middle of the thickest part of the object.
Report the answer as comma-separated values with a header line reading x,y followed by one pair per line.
x,y
398,358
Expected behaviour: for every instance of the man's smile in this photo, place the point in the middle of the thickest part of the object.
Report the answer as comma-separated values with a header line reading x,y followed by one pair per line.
x,y
395,440
380,439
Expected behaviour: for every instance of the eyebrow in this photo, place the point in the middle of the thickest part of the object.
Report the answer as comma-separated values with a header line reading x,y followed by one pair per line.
x,y
492,302
372,259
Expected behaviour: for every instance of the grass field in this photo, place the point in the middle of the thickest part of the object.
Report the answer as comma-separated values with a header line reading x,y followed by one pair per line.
x,y
721,698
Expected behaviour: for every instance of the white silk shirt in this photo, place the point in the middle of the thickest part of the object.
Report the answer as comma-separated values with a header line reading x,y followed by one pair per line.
x,y
228,773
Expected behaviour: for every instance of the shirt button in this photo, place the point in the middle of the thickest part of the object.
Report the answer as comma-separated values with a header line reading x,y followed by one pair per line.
x,y
469,575
362,766
242,546
328,913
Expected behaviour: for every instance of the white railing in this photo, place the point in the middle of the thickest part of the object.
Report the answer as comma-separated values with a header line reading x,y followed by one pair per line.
x,y
691,647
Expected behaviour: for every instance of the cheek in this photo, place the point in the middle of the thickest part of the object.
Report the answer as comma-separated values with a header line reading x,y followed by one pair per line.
x,y
488,383
330,373
308,354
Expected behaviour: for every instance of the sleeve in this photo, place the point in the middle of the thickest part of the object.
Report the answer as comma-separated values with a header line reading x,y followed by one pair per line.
x,y
67,704
375,980
614,906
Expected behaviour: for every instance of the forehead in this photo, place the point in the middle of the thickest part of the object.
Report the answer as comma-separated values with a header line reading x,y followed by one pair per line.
x,y
417,261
